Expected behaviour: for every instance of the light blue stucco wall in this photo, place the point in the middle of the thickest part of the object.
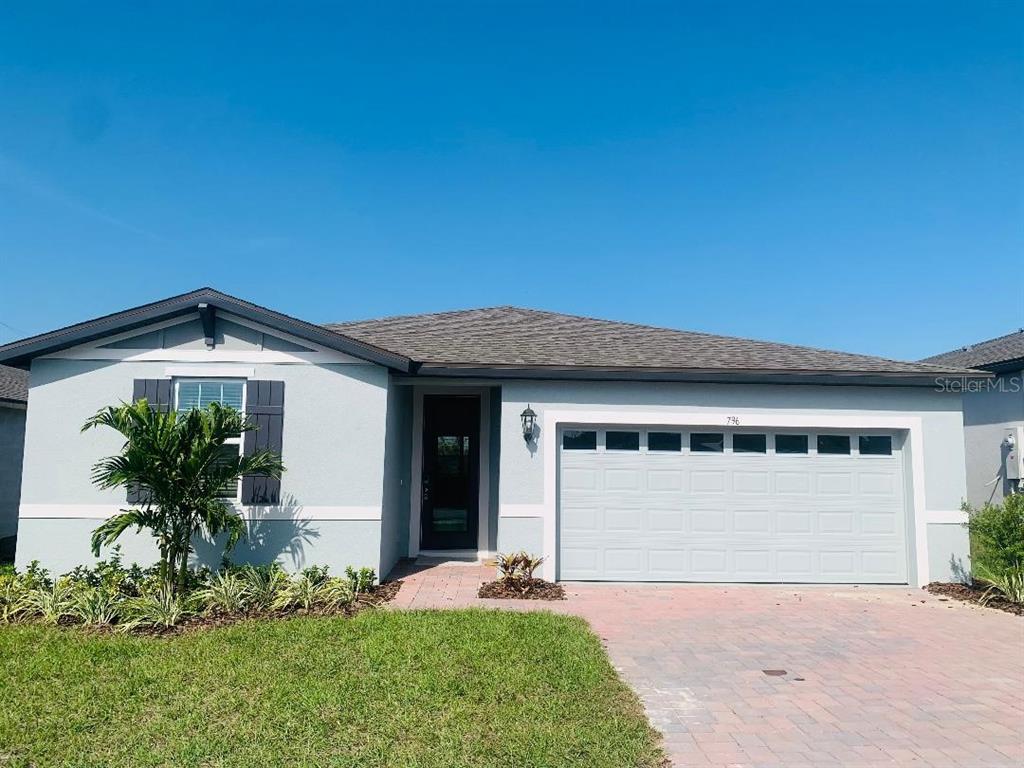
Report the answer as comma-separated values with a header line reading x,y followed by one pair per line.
x,y
948,556
524,534
990,408
64,544
521,466
333,449
12,440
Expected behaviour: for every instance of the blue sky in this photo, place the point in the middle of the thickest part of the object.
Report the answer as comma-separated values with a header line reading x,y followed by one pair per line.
x,y
838,175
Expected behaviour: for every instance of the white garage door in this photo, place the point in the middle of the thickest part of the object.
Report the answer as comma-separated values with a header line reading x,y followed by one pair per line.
x,y
663,504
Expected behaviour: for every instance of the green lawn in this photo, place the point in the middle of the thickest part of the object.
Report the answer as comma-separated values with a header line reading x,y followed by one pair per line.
x,y
387,688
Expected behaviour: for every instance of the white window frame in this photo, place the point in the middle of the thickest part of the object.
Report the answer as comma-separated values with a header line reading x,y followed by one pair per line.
x,y
176,384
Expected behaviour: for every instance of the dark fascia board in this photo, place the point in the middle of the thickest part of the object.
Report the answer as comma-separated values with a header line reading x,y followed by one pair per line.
x,y
701,376
1005,366
19,354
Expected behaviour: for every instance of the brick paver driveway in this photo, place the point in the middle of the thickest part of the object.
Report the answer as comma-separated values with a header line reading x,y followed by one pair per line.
x,y
873,676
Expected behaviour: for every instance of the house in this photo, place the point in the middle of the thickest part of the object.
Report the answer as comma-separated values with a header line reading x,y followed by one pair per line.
x,y
13,400
619,452
993,415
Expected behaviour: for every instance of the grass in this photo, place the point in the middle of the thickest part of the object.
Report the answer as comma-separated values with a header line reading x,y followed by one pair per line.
x,y
386,688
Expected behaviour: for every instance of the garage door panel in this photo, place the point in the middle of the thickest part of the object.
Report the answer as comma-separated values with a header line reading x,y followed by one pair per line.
x,y
708,481
665,480
625,564
623,520
794,522
877,483
752,564
616,479
666,520
834,483
580,519
747,481
731,517
796,483
752,521
579,479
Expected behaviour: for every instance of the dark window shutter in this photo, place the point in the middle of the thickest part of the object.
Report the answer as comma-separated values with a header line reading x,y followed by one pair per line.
x,y
158,393
264,406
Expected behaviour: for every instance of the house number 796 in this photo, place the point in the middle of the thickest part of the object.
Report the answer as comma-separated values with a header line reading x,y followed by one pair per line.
x,y
732,420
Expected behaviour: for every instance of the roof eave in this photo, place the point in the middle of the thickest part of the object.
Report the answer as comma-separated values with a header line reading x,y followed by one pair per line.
x,y
700,375
20,353
1004,366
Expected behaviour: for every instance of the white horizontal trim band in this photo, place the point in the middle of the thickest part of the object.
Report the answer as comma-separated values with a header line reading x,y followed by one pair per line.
x,y
293,512
233,371
521,510
945,516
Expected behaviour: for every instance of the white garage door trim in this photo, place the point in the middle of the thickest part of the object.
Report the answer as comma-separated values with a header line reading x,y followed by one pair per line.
x,y
636,514
918,517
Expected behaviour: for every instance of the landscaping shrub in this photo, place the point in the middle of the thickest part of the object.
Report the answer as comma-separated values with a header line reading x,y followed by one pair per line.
x,y
361,580
518,566
314,589
997,544
263,584
162,609
226,593
109,594
97,606
52,602
516,580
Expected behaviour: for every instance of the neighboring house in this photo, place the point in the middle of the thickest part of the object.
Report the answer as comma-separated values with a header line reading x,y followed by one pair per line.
x,y
655,455
13,400
993,409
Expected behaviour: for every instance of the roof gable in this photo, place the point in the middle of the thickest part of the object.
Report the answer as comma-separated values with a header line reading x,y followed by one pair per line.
x,y
20,353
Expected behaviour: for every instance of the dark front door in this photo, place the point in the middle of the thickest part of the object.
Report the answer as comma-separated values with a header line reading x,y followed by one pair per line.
x,y
451,472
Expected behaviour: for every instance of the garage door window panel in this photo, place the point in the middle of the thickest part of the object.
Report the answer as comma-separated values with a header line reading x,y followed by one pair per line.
x,y
874,445
579,440
664,442
749,443
834,445
621,441
791,445
707,442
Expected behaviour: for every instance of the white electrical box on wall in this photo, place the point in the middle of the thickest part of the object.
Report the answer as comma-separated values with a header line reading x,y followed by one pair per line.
x,y
1013,440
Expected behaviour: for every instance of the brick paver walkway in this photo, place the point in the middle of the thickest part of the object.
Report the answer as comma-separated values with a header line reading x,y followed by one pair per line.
x,y
873,676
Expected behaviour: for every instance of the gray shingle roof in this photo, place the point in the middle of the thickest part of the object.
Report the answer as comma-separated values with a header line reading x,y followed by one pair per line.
x,y
512,337
13,384
1001,352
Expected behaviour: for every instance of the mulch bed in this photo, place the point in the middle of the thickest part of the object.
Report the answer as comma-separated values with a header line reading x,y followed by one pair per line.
x,y
534,589
972,593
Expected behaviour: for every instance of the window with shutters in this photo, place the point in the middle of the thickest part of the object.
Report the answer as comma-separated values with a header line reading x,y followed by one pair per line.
x,y
199,393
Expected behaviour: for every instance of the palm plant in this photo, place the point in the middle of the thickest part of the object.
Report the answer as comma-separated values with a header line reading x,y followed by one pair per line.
x,y
177,463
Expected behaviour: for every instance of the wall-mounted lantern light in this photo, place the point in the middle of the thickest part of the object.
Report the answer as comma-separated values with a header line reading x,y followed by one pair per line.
x,y
529,422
